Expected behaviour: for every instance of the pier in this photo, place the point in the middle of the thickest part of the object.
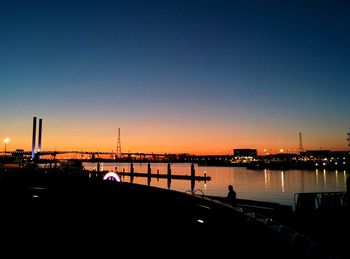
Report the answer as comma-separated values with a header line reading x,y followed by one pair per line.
x,y
178,177
167,175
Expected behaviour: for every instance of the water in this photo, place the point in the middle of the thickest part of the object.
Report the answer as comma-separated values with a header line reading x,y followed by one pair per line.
x,y
263,185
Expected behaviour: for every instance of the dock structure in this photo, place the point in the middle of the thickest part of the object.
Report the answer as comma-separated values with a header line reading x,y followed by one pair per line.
x,y
167,175
173,176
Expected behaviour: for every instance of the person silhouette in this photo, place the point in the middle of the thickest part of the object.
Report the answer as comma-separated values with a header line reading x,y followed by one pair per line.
x,y
231,196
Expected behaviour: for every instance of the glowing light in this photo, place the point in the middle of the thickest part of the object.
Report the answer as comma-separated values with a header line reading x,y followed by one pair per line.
x,y
200,220
111,176
281,150
6,141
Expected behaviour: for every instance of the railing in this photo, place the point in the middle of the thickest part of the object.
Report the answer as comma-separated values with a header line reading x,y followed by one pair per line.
x,y
194,192
321,201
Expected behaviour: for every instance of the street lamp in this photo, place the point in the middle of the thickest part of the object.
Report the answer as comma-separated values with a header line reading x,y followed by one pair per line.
x,y
6,141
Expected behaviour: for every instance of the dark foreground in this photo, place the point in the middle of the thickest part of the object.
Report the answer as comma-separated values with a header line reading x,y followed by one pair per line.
x,y
59,215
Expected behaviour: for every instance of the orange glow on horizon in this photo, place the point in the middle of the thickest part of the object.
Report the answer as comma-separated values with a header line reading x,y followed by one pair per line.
x,y
144,138
141,146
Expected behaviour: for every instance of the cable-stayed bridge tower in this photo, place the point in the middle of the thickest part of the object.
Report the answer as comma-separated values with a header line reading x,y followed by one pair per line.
x,y
36,152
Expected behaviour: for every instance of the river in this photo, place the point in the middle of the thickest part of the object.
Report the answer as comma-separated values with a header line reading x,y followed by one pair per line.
x,y
263,185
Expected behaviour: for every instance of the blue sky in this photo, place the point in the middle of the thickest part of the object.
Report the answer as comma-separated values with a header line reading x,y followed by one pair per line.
x,y
176,76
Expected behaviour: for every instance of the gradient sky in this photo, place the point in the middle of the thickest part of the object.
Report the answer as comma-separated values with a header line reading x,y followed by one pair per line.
x,y
201,77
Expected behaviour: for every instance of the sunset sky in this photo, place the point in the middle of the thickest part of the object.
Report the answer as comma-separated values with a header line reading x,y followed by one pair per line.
x,y
200,77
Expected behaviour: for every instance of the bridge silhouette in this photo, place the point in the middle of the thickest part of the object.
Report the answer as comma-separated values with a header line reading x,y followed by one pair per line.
x,y
126,156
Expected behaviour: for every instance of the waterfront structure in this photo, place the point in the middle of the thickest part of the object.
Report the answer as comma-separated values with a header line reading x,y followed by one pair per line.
x,y
33,138
212,160
36,153
245,152
244,155
316,153
40,132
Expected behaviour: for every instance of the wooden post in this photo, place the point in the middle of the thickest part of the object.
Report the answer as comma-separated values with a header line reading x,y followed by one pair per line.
x,y
149,170
131,172
193,172
192,184
149,174
169,182
169,176
169,171
131,168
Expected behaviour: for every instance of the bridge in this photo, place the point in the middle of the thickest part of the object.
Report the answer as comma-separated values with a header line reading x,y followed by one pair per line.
x,y
129,156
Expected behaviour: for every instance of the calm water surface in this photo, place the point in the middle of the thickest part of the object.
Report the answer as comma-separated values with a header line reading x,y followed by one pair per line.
x,y
264,185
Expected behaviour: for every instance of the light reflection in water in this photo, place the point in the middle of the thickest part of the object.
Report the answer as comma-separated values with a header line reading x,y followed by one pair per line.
x,y
336,179
267,185
344,179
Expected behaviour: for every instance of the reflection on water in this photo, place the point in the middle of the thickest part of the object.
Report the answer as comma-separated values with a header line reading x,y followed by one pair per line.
x,y
336,179
345,176
282,181
265,177
265,185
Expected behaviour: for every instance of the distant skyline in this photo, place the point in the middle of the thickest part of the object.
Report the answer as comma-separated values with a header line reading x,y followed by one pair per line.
x,y
202,77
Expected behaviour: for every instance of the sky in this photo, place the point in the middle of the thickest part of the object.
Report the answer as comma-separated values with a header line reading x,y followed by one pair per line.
x,y
181,76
